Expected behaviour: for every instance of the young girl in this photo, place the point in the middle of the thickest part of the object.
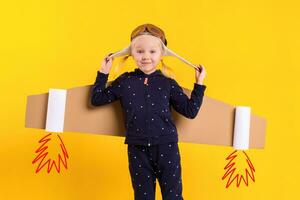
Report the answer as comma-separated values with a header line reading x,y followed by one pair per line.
x,y
147,96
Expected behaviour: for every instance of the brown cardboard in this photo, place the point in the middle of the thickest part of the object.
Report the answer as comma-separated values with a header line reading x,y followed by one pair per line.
x,y
213,125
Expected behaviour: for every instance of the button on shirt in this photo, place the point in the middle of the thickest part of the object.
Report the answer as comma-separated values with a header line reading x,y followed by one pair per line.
x,y
146,101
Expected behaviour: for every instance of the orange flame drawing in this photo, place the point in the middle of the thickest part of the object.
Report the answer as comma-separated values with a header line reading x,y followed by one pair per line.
x,y
43,160
231,168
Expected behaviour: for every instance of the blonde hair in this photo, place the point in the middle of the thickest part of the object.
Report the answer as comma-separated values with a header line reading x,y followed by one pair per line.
x,y
166,70
117,68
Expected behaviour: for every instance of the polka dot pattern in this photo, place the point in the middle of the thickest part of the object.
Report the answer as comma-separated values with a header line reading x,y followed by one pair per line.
x,y
147,101
159,162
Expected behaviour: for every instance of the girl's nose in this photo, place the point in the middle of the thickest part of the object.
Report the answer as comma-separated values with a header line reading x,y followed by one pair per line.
x,y
145,57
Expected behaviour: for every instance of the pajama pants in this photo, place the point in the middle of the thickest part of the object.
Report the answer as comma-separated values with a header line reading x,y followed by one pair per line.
x,y
146,163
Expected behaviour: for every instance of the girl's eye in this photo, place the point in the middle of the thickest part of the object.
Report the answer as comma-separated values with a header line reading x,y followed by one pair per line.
x,y
140,51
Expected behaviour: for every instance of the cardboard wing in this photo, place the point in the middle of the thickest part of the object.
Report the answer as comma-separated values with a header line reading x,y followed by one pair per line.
x,y
214,124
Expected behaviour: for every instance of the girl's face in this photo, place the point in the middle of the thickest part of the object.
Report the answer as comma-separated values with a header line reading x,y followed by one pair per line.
x,y
146,51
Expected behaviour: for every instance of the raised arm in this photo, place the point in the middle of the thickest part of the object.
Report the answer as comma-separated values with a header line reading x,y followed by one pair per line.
x,y
181,103
188,107
100,94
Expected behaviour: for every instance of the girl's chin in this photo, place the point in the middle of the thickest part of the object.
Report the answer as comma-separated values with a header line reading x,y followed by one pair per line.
x,y
147,69
146,66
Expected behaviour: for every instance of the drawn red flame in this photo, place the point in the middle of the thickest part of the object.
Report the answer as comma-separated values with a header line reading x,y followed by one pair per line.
x,y
49,162
231,168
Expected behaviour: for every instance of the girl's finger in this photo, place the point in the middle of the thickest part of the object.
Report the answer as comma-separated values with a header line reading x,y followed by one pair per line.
x,y
106,58
199,68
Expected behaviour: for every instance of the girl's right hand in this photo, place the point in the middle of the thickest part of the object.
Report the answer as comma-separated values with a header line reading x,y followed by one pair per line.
x,y
200,74
106,64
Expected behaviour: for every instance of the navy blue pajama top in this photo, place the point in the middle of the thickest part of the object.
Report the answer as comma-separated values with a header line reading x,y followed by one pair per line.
x,y
147,100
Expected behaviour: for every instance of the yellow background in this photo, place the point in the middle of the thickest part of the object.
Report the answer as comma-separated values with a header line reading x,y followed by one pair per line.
x,y
251,53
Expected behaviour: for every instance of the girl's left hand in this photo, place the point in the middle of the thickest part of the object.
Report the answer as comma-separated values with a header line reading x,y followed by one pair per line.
x,y
200,74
